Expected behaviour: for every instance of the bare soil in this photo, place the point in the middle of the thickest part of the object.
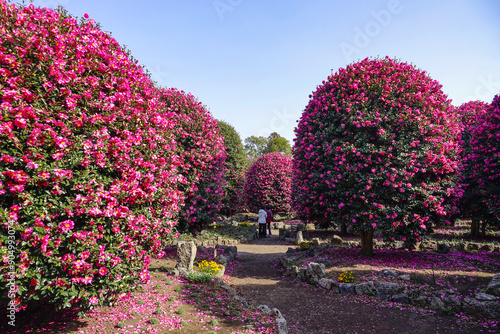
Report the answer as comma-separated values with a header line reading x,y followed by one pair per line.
x,y
309,309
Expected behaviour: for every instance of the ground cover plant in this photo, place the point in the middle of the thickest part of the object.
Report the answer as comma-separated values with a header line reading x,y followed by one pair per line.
x,y
376,149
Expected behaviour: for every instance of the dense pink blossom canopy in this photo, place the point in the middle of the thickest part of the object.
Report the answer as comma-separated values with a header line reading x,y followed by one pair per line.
x,y
376,147
268,182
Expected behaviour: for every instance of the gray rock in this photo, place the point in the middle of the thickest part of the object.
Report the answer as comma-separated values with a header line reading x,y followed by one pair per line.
x,y
221,259
401,298
388,273
326,283
242,300
292,271
186,253
316,270
231,252
420,301
264,308
367,288
299,238
472,246
302,276
290,250
315,241
336,240
494,286
436,304
443,248
471,306
405,277
281,327
277,313
491,309
481,296
487,248
310,227
452,303
278,225
221,272
230,290
386,290
347,288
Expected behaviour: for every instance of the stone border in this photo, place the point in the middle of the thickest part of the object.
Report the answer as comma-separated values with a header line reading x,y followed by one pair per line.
x,y
292,236
442,301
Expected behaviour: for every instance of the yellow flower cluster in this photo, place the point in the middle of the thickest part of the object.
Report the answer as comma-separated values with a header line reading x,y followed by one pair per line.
x,y
245,224
209,267
346,277
305,245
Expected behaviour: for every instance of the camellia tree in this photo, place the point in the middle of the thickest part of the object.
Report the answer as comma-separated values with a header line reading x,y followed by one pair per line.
x,y
202,155
485,157
94,161
376,148
472,205
268,182
235,163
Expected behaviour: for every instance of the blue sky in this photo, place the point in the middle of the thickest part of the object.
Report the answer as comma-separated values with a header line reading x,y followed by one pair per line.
x,y
253,63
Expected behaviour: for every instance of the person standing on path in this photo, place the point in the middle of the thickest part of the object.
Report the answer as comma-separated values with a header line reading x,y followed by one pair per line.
x,y
262,222
269,219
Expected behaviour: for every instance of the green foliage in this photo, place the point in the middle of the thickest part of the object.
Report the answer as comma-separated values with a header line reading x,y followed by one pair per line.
x,y
276,143
255,146
233,200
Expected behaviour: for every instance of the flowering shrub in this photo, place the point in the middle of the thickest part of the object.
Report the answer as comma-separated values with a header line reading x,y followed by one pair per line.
x,y
376,148
209,267
235,178
89,165
485,157
206,272
305,245
245,224
473,203
346,277
201,159
268,182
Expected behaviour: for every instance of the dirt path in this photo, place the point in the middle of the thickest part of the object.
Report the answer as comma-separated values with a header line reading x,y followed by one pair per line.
x,y
312,310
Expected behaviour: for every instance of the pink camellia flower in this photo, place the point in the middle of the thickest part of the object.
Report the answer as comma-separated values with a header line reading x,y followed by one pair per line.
x,y
103,271
66,225
93,300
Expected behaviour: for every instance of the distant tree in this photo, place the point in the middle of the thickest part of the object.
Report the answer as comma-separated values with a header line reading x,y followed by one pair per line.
x,y
276,143
235,162
255,146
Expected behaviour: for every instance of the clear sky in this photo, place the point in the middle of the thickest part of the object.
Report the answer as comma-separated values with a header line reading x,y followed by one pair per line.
x,y
253,63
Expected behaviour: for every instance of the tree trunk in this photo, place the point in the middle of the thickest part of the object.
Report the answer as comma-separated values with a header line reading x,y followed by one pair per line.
x,y
343,228
474,227
366,242
483,227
